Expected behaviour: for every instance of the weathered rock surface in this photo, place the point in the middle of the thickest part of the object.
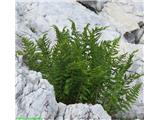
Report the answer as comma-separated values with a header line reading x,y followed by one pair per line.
x,y
115,12
94,5
35,18
82,112
34,95
126,15
35,98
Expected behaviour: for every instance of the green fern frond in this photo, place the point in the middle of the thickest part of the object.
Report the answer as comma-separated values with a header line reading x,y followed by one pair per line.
x,y
84,69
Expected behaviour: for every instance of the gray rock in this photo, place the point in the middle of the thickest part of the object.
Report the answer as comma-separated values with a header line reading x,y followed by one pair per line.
x,y
130,37
85,112
94,5
135,36
141,24
61,111
35,98
33,20
34,95
138,35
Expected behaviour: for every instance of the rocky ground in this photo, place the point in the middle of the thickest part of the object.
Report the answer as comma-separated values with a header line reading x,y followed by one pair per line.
x,y
34,96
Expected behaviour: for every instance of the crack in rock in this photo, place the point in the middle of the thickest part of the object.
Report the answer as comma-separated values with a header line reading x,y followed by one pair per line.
x,y
34,95
41,102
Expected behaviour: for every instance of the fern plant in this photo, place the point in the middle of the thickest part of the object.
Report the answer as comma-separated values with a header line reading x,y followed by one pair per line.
x,y
83,69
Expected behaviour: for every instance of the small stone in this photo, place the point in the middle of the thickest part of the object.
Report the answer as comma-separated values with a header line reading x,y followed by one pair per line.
x,y
130,37
141,24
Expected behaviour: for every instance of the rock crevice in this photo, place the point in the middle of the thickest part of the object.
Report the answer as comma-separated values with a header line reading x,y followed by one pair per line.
x,y
35,98
34,95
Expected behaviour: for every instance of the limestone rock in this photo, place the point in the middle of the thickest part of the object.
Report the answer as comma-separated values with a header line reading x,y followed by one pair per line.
x,y
119,17
85,112
61,111
34,95
123,14
35,98
36,18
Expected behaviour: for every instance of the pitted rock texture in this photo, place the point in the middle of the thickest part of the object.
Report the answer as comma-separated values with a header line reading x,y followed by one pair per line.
x,y
35,98
34,95
82,112
36,18
85,112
